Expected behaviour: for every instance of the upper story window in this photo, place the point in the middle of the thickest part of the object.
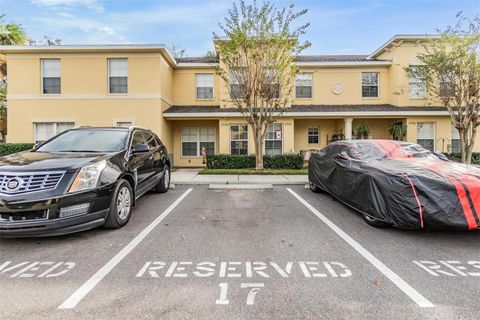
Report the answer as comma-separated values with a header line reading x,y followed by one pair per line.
x,y
446,87
370,84
303,85
416,87
118,75
236,84
51,79
204,85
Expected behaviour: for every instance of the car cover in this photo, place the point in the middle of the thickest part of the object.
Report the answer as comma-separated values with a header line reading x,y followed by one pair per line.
x,y
399,183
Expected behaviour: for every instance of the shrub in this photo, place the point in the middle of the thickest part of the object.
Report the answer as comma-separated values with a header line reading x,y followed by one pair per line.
x,y
284,161
227,161
9,148
458,157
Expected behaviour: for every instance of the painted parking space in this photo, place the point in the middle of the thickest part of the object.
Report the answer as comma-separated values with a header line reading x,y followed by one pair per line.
x,y
443,265
38,274
245,254
241,254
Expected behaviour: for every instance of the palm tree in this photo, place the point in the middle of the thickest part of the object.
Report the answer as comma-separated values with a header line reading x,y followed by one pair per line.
x,y
10,34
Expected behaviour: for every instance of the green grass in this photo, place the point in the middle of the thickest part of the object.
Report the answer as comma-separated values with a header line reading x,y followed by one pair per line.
x,y
253,171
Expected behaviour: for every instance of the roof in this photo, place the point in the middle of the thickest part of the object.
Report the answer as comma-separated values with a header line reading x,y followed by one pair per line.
x,y
402,37
311,110
92,48
330,58
204,59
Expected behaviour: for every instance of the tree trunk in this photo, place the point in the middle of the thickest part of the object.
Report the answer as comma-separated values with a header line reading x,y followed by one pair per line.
x,y
257,135
463,144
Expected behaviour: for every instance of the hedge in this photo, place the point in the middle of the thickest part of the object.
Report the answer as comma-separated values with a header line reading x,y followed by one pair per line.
x,y
9,148
227,161
458,157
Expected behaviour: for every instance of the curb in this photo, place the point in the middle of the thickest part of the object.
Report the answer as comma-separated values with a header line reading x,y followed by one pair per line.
x,y
240,187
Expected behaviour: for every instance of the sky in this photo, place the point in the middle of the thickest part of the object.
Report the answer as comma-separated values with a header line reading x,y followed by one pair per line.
x,y
336,26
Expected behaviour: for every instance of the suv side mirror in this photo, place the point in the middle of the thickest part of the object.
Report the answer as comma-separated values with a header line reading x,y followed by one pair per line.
x,y
140,148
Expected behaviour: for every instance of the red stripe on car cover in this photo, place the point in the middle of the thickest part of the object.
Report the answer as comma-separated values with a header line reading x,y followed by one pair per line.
x,y
444,171
462,194
420,210
392,149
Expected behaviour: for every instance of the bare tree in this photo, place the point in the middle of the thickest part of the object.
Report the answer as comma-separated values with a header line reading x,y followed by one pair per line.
x,y
257,62
450,68
177,51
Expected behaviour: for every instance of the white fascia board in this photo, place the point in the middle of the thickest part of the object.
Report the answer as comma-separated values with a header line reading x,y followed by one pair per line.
x,y
402,37
343,64
310,114
196,65
91,48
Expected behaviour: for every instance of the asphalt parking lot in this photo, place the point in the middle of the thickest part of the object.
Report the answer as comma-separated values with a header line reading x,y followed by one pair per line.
x,y
285,253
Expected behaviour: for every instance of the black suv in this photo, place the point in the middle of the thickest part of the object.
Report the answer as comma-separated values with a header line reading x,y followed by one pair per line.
x,y
80,179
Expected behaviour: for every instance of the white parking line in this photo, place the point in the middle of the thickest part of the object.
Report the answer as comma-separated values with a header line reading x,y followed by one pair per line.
x,y
81,292
392,276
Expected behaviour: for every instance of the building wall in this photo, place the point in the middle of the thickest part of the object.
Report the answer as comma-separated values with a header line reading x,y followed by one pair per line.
x,y
351,80
181,161
184,87
84,97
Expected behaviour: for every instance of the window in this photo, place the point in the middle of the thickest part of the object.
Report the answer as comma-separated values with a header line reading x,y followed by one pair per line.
x,y
204,85
47,130
271,87
455,141
236,87
118,75
446,87
303,85
193,139
313,136
370,84
51,79
426,135
238,139
126,124
274,139
416,87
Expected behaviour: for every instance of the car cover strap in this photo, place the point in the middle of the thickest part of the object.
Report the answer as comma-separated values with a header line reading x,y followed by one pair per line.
x,y
420,209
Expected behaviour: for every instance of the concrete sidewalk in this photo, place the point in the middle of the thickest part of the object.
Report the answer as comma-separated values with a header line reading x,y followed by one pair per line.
x,y
191,176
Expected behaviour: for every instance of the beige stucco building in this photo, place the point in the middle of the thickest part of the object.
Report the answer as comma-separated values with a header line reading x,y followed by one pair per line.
x,y
54,88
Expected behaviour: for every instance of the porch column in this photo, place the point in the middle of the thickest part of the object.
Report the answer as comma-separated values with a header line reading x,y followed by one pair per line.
x,y
348,128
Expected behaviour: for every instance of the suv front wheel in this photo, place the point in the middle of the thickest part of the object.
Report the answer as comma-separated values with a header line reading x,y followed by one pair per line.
x,y
121,206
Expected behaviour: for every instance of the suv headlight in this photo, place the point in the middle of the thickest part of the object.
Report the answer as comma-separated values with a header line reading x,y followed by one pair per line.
x,y
87,178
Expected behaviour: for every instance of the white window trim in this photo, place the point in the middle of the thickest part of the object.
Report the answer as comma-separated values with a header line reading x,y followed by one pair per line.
x,y
116,121
108,78
283,139
213,87
378,86
199,152
312,97
41,78
409,92
230,128
434,133
308,136
55,124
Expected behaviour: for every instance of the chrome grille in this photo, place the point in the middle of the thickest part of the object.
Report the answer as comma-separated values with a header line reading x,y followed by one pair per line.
x,y
15,183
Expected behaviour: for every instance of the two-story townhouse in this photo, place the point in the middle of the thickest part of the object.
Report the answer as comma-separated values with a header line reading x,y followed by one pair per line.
x,y
54,88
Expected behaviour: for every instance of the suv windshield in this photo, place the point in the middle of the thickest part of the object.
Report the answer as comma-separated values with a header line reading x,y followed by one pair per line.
x,y
87,141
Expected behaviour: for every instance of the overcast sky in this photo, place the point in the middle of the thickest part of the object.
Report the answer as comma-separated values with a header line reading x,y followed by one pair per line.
x,y
337,26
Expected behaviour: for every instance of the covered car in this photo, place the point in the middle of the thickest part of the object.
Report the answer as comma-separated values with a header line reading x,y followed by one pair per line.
x,y
400,184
